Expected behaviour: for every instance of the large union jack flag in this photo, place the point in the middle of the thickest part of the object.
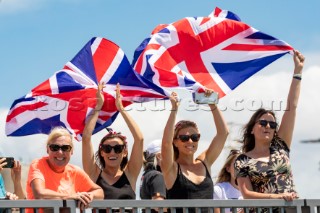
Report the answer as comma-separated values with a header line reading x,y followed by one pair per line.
x,y
218,52
67,98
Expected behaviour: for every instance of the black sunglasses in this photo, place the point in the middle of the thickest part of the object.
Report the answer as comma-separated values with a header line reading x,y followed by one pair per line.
x,y
108,148
185,138
56,147
264,123
234,152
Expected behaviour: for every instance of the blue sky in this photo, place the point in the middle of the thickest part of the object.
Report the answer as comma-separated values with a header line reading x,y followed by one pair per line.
x,y
37,37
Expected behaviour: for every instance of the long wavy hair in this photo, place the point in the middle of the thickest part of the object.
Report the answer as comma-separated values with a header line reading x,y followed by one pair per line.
x,y
248,138
224,175
181,125
100,160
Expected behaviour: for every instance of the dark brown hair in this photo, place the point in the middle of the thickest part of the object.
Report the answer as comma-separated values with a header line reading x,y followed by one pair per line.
x,y
99,159
248,138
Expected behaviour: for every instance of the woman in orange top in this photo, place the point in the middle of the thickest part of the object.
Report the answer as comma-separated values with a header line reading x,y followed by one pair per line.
x,y
52,177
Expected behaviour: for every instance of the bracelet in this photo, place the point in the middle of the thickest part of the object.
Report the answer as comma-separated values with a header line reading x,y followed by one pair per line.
x,y
297,76
215,107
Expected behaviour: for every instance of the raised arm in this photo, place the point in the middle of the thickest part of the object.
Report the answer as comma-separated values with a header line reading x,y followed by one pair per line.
x,y
16,179
88,160
136,158
217,143
168,167
288,120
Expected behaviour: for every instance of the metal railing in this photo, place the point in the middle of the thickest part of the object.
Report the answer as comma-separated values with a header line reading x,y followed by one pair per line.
x,y
282,206
313,204
36,204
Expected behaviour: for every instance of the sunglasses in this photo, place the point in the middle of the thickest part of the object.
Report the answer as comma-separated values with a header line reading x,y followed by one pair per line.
x,y
234,152
108,148
185,138
264,123
56,147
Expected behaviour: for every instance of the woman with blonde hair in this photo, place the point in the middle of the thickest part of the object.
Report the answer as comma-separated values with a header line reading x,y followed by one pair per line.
x,y
52,177
225,187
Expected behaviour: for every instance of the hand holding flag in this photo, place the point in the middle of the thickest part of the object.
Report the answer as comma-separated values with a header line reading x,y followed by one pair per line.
x,y
67,98
119,99
100,96
218,52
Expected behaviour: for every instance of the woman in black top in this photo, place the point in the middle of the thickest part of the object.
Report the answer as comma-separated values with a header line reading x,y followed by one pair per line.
x,y
110,167
187,177
152,182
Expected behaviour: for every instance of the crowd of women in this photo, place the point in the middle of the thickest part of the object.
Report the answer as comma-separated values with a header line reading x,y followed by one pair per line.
x,y
260,170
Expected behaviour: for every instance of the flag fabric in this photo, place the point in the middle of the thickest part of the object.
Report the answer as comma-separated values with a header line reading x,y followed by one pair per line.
x,y
218,52
224,14
68,97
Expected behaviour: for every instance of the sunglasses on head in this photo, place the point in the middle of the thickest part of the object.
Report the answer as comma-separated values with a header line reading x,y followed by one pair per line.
x,y
108,148
56,147
185,138
264,123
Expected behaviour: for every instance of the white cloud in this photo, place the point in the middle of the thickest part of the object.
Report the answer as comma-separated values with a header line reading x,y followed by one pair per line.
x,y
15,6
272,84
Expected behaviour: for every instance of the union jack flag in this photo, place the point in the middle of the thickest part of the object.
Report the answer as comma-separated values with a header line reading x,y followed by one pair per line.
x,y
67,98
224,14
218,52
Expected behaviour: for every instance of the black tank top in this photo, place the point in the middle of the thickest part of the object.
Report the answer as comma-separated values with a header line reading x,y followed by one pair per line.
x,y
183,188
119,190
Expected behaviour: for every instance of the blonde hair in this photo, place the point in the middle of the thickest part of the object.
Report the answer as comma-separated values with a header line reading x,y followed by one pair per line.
x,y
58,132
224,175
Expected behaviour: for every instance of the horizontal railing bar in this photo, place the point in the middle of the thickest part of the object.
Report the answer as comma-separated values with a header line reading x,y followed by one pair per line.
x,y
149,204
191,203
313,202
30,203
54,204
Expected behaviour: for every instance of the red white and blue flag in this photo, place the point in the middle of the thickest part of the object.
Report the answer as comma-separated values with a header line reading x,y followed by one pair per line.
x,y
67,98
224,14
218,52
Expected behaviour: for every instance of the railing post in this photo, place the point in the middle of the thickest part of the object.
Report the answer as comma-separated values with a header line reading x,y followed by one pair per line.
x,y
71,204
